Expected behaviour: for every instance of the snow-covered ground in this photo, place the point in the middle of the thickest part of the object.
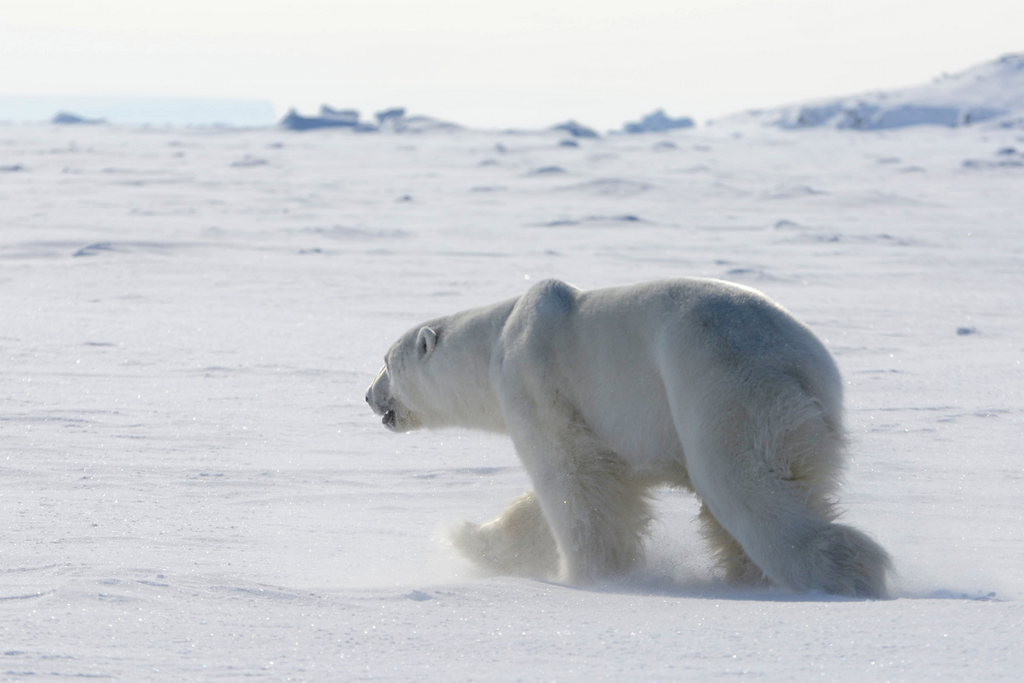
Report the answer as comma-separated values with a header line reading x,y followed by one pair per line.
x,y
192,488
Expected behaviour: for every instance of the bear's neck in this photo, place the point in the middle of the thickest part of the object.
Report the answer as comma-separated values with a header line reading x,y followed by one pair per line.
x,y
480,330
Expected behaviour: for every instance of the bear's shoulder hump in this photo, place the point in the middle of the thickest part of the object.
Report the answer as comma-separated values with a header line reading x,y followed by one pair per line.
x,y
552,297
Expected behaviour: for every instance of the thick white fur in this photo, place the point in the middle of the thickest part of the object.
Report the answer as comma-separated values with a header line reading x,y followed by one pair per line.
x,y
700,384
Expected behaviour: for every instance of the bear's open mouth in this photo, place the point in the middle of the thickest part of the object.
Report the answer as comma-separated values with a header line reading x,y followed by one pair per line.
x,y
389,419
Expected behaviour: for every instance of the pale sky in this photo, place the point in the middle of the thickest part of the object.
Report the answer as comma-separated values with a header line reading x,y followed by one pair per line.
x,y
498,64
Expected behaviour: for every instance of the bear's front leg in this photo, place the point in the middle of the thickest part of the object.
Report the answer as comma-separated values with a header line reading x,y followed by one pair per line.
x,y
597,511
599,516
518,543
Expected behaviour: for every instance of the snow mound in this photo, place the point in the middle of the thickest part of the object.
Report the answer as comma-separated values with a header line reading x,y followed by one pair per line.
x,y
988,91
1007,157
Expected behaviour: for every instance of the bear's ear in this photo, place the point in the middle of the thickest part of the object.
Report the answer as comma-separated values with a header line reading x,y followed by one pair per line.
x,y
425,342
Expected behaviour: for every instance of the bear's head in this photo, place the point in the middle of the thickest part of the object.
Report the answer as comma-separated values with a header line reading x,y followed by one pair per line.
x,y
400,390
438,375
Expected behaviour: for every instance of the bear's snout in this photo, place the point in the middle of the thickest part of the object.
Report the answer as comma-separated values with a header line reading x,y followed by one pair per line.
x,y
383,409
379,398
378,403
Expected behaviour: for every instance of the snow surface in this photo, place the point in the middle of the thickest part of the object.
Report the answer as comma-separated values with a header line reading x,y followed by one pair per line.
x,y
987,91
193,489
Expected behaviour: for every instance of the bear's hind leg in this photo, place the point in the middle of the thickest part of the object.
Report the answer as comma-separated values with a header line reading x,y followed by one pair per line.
x,y
791,543
764,471
517,543
728,553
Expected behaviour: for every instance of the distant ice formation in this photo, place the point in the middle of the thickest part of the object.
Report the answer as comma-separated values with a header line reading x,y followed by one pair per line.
x,y
393,120
328,118
400,123
982,93
388,114
656,122
67,118
577,130
138,111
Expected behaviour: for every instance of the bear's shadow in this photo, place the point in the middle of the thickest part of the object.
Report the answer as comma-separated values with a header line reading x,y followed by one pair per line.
x,y
715,589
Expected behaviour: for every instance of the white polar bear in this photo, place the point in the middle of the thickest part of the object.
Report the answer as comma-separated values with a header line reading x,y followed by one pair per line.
x,y
694,383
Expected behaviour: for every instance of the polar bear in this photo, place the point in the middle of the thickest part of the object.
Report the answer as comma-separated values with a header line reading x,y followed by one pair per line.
x,y
692,383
